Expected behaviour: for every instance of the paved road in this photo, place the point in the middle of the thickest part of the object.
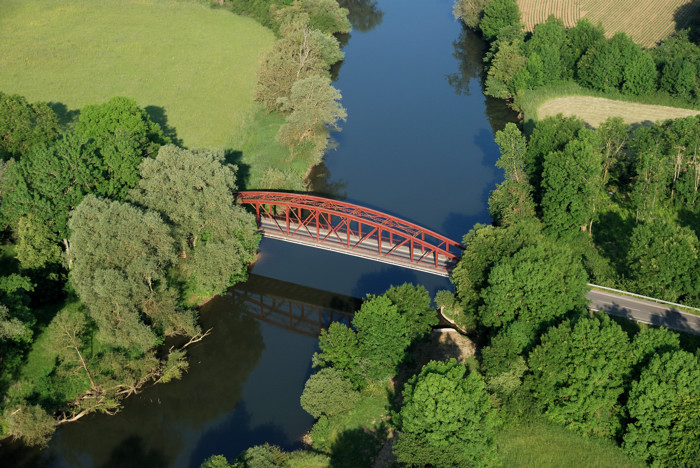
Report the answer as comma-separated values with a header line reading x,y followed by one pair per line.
x,y
644,311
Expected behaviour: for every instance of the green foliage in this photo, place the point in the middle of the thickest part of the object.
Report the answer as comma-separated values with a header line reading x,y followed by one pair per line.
x,y
24,125
505,65
119,255
469,11
486,246
446,419
664,428
664,261
536,285
326,16
122,134
301,53
571,185
328,392
499,15
313,105
373,352
413,302
578,372
216,461
193,191
36,244
548,43
29,423
49,182
580,39
678,59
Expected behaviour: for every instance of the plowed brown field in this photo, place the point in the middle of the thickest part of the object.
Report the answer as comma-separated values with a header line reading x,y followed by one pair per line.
x,y
645,21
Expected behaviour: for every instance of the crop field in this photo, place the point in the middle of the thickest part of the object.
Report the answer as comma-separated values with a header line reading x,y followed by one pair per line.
x,y
190,66
595,110
645,21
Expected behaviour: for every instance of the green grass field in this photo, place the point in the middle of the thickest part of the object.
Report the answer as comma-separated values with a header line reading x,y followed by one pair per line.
x,y
543,445
190,66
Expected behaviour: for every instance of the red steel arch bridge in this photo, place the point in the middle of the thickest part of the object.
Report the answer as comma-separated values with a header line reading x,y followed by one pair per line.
x,y
351,229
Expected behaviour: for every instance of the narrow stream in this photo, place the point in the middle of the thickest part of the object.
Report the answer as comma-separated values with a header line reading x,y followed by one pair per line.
x,y
418,143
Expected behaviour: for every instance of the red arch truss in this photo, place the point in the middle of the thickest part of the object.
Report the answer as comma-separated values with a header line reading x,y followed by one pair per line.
x,y
351,229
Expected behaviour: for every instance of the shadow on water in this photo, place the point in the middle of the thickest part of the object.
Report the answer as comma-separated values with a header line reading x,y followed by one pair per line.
x,y
377,282
469,51
160,116
240,421
364,15
323,184
131,452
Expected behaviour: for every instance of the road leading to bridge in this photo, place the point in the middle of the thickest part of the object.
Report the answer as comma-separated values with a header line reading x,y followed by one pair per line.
x,y
644,311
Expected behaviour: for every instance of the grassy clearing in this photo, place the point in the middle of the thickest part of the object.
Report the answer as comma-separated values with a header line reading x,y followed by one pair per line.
x,y
190,66
263,163
354,438
646,21
543,445
530,102
595,110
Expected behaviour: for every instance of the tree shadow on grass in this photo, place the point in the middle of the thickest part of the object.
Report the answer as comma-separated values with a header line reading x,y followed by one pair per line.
x,y
66,117
357,447
235,157
160,116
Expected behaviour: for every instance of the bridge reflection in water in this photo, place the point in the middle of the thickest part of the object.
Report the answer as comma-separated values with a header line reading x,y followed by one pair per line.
x,y
292,306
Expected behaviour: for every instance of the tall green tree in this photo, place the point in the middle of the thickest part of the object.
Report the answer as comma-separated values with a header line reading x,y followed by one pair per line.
x,y
572,186
49,182
578,374
413,302
119,257
123,135
193,191
664,261
469,11
314,106
536,285
446,418
662,407
499,15
24,125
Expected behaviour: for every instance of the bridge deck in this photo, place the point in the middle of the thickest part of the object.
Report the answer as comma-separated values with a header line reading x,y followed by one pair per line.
x,y
368,248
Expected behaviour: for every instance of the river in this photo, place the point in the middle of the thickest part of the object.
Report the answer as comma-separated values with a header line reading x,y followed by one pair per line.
x,y
418,143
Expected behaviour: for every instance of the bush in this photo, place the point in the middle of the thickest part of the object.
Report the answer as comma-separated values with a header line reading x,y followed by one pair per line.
x,y
328,392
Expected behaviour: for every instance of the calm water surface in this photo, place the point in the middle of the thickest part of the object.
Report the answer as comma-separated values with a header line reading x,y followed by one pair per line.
x,y
418,143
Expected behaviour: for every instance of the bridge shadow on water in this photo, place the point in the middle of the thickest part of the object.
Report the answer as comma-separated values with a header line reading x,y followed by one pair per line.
x,y
294,307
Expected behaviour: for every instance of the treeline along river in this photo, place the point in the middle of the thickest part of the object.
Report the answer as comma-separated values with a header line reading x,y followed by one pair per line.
x,y
419,144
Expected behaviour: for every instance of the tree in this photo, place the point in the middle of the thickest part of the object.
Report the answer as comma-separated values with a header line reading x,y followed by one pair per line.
x,y
663,261
24,125
613,135
37,245
469,11
662,407
548,42
193,191
49,182
328,392
512,202
373,352
300,53
505,65
571,186
123,135
486,247
29,423
413,302
639,74
536,285
580,39
446,418
578,373
314,105
120,255
499,15
325,16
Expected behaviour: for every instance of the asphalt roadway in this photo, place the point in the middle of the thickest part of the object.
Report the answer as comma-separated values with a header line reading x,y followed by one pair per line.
x,y
653,313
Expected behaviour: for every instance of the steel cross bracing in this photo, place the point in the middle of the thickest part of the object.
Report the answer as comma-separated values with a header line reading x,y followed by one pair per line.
x,y
351,229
